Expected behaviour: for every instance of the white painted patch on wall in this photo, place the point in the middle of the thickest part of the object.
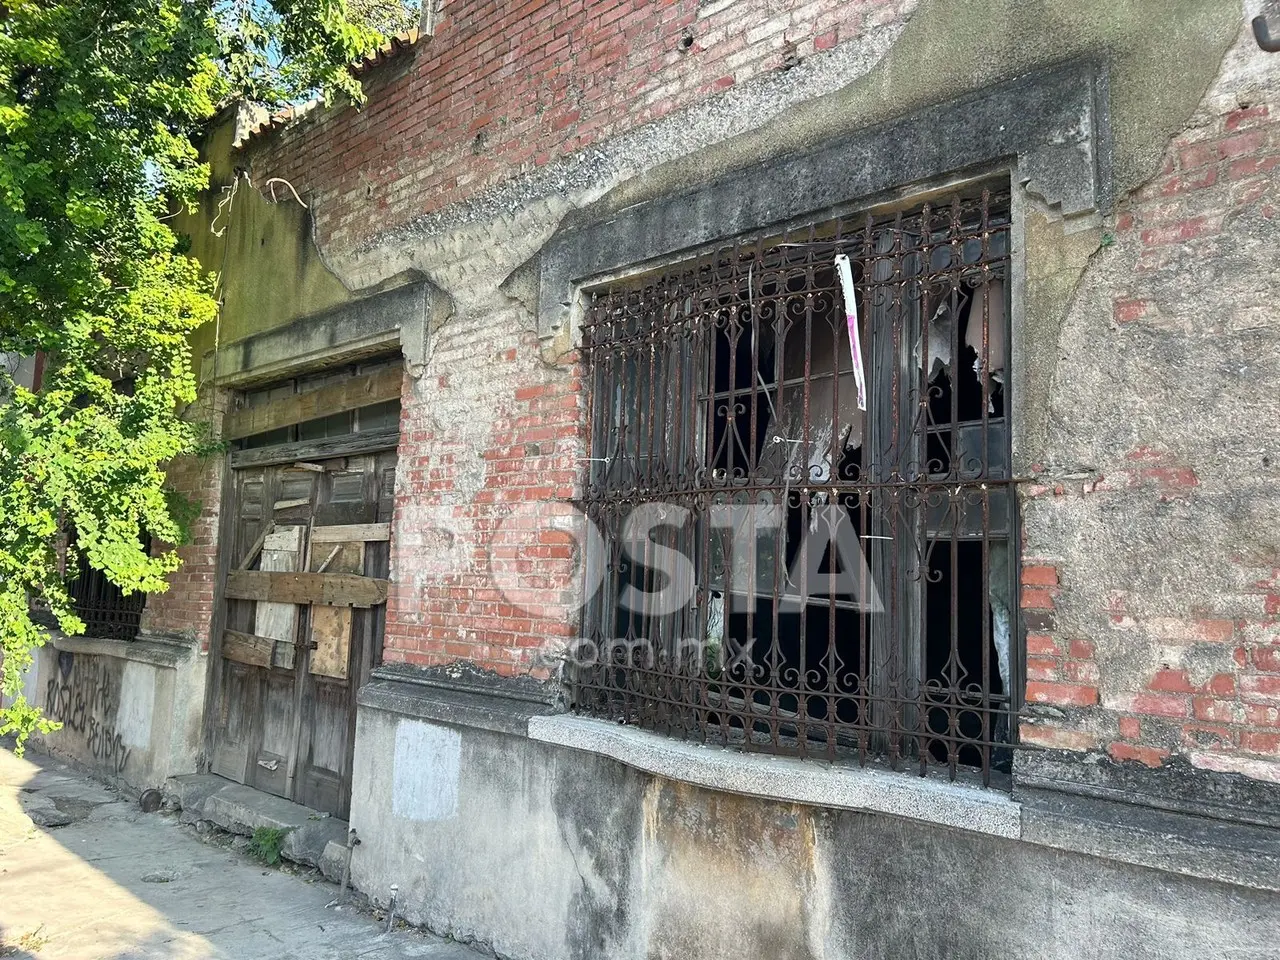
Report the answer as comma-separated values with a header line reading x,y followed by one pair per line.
x,y
137,704
424,783
31,682
708,7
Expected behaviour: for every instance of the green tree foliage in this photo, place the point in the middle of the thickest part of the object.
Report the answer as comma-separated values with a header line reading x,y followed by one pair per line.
x,y
387,16
99,102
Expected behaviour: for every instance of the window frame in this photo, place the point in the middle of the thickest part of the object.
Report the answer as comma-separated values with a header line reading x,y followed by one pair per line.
x,y
877,737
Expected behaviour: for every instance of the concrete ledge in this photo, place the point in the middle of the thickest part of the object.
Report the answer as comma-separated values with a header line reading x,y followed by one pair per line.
x,y
787,779
160,653
240,809
1175,786
349,331
188,793
465,708
1243,855
469,679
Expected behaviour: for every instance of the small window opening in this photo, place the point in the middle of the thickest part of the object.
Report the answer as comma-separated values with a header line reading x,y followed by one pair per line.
x,y
108,613
383,416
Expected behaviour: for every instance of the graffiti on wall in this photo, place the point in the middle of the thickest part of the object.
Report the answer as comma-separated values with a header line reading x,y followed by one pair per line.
x,y
84,696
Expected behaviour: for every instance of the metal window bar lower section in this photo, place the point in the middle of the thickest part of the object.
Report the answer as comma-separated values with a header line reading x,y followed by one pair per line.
x,y
105,609
781,569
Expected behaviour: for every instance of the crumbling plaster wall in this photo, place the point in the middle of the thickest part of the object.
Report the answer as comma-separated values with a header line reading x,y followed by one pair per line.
x,y
1153,615
545,853
493,415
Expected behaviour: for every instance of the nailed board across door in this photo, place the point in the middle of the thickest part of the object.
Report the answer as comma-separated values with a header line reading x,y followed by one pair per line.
x,y
247,648
335,589
348,394
351,532
331,626
331,636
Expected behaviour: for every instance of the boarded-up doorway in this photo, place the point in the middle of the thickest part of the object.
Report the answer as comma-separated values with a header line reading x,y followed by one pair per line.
x,y
306,560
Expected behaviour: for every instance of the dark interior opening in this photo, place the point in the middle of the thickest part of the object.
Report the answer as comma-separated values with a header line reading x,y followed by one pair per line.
x,y
756,338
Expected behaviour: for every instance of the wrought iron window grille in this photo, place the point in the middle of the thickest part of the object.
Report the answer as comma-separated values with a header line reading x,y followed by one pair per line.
x,y
844,580
108,613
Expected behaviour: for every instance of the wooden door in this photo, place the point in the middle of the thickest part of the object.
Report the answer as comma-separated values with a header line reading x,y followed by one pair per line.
x,y
296,649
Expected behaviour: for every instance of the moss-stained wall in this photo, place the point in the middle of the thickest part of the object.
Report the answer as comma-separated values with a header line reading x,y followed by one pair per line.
x,y
270,271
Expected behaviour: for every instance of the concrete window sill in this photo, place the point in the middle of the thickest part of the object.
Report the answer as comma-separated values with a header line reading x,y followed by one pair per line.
x,y
788,779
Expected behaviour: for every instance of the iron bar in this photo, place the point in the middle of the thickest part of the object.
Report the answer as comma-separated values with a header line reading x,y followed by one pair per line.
x,y
726,383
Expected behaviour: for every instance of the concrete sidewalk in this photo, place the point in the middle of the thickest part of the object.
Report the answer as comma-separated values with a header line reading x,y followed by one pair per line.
x,y
110,882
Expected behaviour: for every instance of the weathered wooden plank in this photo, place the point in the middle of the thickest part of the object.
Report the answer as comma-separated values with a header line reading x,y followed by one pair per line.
x,y
343,514
334,589
344,558
351,533
344,446
277,710
254,550
247,648
282,551
324,565
331,641
331,626
359,391
237,706
290,504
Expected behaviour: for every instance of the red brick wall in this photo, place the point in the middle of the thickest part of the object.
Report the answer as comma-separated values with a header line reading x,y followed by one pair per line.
x,y
186,608
501,90
1193,668
501,428
504,88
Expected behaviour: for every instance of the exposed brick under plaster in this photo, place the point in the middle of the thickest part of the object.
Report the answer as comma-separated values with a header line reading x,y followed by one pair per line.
x,y
186,609
1139,673
501,427
543,80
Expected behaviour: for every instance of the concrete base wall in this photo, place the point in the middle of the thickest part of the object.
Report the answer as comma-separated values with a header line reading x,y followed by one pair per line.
x,y
543,851
130,711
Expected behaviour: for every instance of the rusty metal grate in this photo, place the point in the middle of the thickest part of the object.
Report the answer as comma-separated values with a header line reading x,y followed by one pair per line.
x,y
778,568
107,613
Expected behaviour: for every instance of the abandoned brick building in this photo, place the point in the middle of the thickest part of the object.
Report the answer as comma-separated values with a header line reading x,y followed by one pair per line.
x,y
744,478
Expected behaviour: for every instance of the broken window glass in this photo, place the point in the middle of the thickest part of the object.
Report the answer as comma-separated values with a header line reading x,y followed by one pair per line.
x,y
851,590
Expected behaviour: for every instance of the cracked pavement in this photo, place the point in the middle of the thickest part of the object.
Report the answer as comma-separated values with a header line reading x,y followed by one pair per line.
x,y
86,875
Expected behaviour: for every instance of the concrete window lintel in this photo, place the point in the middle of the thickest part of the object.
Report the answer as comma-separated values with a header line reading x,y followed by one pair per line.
x,y
788,779
378,322
1050,130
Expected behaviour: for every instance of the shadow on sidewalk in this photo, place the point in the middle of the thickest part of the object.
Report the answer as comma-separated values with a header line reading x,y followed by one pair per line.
x,y
86,875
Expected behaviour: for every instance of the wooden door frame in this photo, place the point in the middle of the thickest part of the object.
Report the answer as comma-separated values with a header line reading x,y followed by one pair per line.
x,y
354,444
213,687
218,618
